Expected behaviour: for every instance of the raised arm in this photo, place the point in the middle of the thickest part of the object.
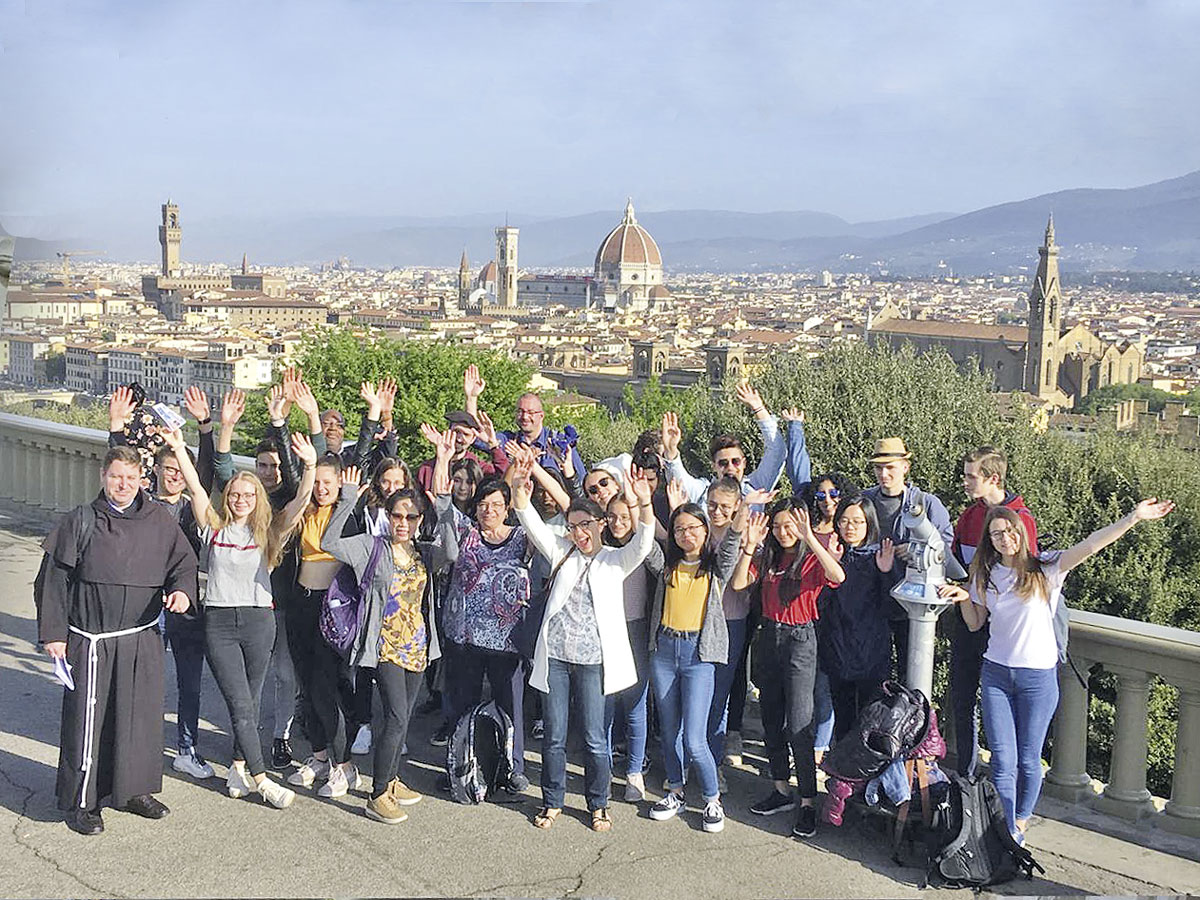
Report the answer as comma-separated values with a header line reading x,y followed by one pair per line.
x,y
544,540
833,569
120,411
774,449
799,463
634,552
672,435
1146,511
201,505
290,515
355,551
755,533
197,404
307,401
473,387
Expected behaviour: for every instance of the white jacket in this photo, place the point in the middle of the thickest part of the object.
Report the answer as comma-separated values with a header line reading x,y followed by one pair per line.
x,y
606,578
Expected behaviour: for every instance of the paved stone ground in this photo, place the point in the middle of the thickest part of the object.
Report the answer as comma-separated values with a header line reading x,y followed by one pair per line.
x,y
212,846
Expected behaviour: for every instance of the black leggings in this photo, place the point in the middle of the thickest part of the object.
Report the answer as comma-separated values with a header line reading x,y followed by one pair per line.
x,y
398,689
318,668
239,641
785,670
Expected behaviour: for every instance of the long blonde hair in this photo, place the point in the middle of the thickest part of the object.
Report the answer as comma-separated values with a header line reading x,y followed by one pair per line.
x,y
1031,579
260,521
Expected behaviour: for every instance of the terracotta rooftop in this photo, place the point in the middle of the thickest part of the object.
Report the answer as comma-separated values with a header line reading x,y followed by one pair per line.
x,y
964,330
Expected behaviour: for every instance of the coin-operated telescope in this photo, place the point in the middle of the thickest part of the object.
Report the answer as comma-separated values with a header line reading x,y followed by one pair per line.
x,y
929,564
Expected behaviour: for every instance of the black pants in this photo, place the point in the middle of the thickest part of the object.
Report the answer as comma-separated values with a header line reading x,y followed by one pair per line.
x,y
737,693
239,641
899,629
849,697
785,671
318,669
966,663
398,689
364,691
505,673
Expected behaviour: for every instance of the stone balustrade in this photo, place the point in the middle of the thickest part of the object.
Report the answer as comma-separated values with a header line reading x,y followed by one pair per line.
x,y
55,467
1134,652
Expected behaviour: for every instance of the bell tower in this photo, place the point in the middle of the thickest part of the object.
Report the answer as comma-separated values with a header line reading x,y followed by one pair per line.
x,y
169,236
1045,321
506,266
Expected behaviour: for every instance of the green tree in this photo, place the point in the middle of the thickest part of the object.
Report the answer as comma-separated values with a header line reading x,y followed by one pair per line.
x,y
429,378
1111,394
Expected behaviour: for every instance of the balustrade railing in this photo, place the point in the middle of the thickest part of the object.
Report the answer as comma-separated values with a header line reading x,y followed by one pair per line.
x,y
56,467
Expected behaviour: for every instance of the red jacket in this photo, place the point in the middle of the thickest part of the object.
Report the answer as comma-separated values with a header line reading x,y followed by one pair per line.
x,y
968,530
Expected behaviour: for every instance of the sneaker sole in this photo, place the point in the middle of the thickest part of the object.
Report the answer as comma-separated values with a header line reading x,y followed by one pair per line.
x,y
371,814
284,805
714,828
803,835
407,802
791,807
664,816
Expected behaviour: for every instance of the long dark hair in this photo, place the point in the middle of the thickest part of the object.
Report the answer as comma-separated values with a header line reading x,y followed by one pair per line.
x,y
843,485
868,511
774,552
674,554
375,496
474,471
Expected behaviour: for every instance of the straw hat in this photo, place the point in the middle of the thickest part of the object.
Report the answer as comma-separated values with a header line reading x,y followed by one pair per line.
x,y
889,449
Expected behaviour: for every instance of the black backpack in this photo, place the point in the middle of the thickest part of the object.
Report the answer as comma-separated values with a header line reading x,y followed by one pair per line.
x,y
479,757
968,841
893,722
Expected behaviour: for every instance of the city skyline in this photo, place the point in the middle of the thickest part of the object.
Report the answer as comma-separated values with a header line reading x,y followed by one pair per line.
x,y
553,109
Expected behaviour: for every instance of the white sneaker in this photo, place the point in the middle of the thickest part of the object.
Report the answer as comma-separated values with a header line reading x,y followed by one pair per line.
x,y
667,808
308,773
275,794
714,817
362,741
190,763
238,784
342,779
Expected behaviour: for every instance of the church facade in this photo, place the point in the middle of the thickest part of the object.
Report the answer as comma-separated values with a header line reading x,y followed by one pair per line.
x,y
1058,367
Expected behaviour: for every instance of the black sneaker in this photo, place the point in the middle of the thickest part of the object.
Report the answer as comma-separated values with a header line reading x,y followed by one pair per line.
x,y
806,822
281,753
773,803
441,737
517,782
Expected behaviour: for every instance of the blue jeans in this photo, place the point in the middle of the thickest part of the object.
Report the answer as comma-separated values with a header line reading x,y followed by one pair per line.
x,y
587,685
185,637
631,702
723,678
822,712
683,690
1018,705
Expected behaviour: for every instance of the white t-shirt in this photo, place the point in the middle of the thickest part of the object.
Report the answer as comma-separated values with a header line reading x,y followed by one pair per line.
x,y
1022,631
236,567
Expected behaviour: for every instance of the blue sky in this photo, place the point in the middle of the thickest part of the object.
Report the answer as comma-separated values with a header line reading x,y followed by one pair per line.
x,y
350,107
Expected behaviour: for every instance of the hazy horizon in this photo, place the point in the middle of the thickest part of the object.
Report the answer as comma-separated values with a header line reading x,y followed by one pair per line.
x,y
551,109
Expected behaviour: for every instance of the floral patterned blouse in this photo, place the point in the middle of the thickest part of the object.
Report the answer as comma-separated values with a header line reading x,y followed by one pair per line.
x,y
489,589
403,638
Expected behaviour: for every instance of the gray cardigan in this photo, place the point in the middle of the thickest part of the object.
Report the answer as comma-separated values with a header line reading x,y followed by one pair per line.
x,y
714,635
355,551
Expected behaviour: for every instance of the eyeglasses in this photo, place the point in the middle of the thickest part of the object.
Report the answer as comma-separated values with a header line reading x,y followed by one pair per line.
x,y
405,517
723,507
1001,533
683,530
831,494
594,487
529,413
235,495
584,525
493,505
731,462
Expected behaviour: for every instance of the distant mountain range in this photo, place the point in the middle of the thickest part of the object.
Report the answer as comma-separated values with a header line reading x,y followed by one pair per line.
x,y
1155,227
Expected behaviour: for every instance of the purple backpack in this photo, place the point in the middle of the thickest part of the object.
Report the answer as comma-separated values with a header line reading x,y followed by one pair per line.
x,y
344,607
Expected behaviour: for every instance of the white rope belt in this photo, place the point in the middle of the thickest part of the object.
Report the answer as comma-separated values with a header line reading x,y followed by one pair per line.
x,y
89,716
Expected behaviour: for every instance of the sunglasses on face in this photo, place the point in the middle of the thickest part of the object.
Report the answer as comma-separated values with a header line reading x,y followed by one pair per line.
x,y
404,517
733,462
595,487
831,494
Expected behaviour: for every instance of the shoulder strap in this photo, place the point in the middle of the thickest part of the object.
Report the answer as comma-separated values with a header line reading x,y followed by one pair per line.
x,y
372,564
554,573
87,527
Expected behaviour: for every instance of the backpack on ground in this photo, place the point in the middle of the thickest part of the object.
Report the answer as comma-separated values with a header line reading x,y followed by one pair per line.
x,y
968,841
479,757
344,607
894,721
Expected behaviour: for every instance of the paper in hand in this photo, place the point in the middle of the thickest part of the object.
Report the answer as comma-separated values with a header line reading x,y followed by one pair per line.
x,y
62,671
